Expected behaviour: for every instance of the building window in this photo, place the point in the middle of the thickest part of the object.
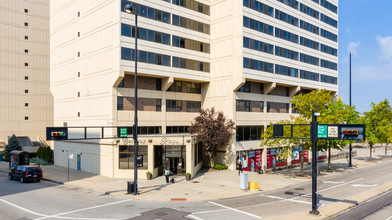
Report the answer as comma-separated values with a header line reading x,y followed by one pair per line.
x,y
193,106
78,94
245,87
26,78
176,86
78,74
258,26
176,129
258,65
286,71
158,105
126,157
285,35
78,34
286,17
78,54
26,91
78,13
242,105
26,51
258,45
249,133
173,105
26,37
192,87
26,10
26,104
26,64
148,12
26,24
26,118
120,103
279,51
198,153
275,107
78,114
190,24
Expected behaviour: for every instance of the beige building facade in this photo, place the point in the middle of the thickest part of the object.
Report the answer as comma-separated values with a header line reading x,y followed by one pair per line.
x,y
25,98
247,58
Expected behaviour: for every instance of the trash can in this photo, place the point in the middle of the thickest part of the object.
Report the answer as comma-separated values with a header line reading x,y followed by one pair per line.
x,y
244,181
130,187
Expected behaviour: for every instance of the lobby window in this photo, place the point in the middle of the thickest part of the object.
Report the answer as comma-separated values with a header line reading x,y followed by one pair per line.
x,y
126,157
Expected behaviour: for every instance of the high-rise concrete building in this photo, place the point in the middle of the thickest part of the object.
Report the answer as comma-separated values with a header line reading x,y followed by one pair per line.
x,y
247,58
26,104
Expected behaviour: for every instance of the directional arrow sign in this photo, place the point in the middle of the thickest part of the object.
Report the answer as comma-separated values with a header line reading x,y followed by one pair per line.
x,y
363,185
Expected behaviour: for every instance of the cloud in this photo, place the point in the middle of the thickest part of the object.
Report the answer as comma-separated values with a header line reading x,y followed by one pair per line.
x,y
353,46
385,44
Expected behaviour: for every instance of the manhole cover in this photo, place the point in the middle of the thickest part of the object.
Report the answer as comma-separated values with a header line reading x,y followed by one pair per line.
x,y
195,182
162,214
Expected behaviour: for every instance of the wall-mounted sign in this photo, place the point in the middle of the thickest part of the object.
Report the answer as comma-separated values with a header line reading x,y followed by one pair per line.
x,y
130,141
167,141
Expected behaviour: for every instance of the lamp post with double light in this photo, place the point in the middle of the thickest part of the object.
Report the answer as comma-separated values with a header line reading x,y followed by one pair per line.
x,y
128,8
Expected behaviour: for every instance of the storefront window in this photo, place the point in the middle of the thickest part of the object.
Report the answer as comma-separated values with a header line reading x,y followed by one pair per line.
x,y
126,157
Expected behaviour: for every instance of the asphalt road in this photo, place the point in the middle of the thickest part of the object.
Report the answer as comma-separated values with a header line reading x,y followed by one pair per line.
x,y
47,200
376,208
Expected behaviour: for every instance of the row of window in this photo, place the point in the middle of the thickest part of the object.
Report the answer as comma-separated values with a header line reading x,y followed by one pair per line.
x,y
258,106
190,87
255,5
159,37
164,60
193,5
147,104
258,45
288,71
158,15
258,26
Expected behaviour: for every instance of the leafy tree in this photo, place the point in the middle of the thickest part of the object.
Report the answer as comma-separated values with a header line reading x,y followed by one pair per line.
x,y
213,129
302,130
317,100
13,144
336,113
378,123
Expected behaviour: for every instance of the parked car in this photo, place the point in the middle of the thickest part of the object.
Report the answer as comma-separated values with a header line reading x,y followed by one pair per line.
x,y
25,173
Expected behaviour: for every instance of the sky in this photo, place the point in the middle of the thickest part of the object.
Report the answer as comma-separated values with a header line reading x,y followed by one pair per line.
x,y
365,27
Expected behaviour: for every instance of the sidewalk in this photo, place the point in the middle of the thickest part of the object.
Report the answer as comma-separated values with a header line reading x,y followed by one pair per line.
x,y
211,185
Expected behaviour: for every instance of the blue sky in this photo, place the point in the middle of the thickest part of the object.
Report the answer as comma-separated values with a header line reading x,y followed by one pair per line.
x,y
365,27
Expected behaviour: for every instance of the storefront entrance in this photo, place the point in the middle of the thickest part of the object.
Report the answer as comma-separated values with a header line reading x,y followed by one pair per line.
x,y
173,157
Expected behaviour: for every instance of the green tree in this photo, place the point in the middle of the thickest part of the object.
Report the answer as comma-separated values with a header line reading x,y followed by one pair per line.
x,y
317,100
213,129
13,144
378,123
336,113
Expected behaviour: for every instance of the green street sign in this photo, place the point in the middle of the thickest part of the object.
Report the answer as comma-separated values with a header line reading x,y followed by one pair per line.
x,y
123,132
322,131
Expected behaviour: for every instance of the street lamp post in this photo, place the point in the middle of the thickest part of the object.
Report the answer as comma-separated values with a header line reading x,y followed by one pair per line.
x,y
128,8
350,148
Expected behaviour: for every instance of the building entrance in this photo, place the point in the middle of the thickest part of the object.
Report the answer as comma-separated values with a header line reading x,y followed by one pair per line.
x,y
174,158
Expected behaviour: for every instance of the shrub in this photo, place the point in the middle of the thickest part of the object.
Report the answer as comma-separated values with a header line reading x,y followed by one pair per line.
x,y
44,152
13,144
220,166
38,161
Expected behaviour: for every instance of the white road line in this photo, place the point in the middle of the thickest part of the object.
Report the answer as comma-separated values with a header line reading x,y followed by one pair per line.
x,y
333,182
24,209
364,185
236,210
290,200
390,217
194,217
84,209
337,186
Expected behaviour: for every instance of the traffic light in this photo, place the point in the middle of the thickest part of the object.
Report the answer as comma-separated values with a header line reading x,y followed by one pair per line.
x,y
57,134
350,132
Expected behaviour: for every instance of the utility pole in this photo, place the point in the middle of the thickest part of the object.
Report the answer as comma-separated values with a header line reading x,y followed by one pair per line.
x,y
313,138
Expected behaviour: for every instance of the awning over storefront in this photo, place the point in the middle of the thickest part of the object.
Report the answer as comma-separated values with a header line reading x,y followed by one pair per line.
x,y
247,145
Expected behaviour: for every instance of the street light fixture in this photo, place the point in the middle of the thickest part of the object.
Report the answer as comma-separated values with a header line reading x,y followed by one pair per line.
x,y
350,148
128,8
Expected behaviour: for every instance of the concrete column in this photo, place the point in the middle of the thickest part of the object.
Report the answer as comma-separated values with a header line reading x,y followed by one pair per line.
x,y
190,157
150,154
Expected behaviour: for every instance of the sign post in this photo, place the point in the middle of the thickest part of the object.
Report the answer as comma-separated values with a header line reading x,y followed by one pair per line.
x,y
70,157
